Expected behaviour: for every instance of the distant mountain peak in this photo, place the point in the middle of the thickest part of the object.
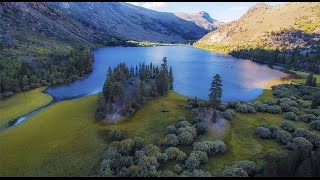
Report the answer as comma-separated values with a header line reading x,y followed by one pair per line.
x,y
206,16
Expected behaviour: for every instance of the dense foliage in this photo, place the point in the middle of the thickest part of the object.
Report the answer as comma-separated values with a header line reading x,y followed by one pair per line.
x,y
53,68
125,89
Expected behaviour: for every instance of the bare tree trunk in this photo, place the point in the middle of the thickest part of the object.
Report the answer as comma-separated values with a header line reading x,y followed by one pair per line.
x,y
214,116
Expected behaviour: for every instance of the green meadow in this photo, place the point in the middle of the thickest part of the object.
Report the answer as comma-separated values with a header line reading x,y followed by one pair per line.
x,y
22,103
65,139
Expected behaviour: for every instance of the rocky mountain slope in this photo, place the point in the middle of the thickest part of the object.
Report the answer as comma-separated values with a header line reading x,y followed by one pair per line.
x,y
286,34
261,23
130,22
28,26
202,19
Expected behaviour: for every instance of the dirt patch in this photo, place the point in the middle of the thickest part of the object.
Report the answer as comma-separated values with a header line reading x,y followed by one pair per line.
x,y
164,111
220,125
114,116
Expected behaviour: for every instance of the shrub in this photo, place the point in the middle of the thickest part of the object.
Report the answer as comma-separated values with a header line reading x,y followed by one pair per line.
x,y
222,106
228,114
288,126
183,123
196,119
248,166
175,153
313,137
272,102
294,110
115,134
185,138
234,172
288,102
274,109
210,147
263,132
315,125
195,173
232,104
307,117
315,112
171,129
177,168
171,140
181,118
219,147
192,163
200,155
201,127
300,143
282,136
241,108
191,129
273,128
290,116
262,107
194,112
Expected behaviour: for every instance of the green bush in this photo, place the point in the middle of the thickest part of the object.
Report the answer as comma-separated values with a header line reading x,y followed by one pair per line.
x,y
175,153
315,125
171,140
210,147
196,119
307,117
248,166
288,126
263,132
234,172
290,116
282,136
201,127
315,112
183,123
185,138
177,168
294,110
300,143
275,109
272,102
171,129
115,134
228,114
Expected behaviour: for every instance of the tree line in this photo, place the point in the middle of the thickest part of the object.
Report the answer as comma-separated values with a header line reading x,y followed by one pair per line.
x,y
17,75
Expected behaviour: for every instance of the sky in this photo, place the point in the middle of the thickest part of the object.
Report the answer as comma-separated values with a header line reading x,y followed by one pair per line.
x,y
222,11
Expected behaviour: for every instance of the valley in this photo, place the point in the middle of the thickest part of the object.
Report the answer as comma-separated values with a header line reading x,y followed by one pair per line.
x,y
119,89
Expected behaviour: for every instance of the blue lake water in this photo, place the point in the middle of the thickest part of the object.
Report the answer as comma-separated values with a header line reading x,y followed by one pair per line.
x,y
193,70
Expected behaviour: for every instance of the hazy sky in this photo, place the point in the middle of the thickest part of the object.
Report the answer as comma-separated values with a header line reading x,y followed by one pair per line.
x,y
222,11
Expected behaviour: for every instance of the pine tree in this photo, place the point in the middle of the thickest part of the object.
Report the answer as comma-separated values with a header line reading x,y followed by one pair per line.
x,y
171,78
162,80
314,83
215,94
309,81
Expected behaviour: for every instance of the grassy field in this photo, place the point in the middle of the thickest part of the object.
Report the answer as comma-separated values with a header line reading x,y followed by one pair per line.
x,y
304,75
241,141
65,139
22,103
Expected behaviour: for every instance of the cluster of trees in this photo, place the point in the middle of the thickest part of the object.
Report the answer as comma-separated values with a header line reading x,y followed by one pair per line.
x,y
292,59
242,168
302,159
17,75
127,88
135,158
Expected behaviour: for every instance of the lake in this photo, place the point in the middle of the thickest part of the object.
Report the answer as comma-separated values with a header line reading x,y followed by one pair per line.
x,y
193,71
